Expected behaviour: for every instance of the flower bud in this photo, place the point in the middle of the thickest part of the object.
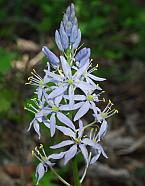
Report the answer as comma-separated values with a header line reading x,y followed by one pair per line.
x,y
53,59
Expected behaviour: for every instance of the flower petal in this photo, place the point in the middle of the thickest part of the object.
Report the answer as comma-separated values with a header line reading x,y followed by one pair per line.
x,y
46,122
84,86
53,59
102,131
58,40
71,95
74,34
96,78
52,124
57,92
66,131
81,129
80,98
57,156
78,40
63,36
65,66
58,100
73,107
95,158
30,125
64,119
89,142
84,152
70,154
81,70
39,172
82,111
81,54
36,127
62,144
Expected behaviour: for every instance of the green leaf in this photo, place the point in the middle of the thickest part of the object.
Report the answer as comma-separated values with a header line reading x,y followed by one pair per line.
x,y
5,100
6,59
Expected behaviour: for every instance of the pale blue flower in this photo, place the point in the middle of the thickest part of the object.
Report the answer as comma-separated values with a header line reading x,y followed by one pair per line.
x,y
90,78
88,102
78,142
69,82
45,162
41,112
106,113
53,109
98,150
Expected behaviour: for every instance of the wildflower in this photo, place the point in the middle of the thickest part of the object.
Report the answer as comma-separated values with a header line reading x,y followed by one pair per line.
x,y
106,113
37,81
88,102
67,87
90,78
69,82
78,142
55,109
45,162
40,112
98,150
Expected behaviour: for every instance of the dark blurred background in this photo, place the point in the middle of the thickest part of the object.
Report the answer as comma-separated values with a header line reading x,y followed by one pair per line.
x,y
115,32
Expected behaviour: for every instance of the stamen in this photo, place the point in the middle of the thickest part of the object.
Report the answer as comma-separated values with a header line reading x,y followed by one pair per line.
x,y
29,83
31,106
29,110
34,154
36,74
41,147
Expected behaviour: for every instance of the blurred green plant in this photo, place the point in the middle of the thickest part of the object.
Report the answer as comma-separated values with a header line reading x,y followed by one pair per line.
x,y
6,59
114,28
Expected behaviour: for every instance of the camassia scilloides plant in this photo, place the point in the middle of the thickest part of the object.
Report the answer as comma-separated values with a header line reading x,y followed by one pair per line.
x,y
65,94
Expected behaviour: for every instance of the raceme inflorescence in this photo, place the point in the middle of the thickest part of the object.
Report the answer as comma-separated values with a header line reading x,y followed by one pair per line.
x,y
66,93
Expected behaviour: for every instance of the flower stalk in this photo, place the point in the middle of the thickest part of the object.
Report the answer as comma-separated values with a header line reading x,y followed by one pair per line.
x,y
75,172
66,93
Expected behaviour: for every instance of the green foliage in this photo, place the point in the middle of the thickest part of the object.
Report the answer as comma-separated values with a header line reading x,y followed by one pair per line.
x,y
6,59
5,100
113,29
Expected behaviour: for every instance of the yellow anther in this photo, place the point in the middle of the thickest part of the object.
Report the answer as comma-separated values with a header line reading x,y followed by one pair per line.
x,y
116,111
32,152
97,65
110,101
29,78
104,100
28,83
29,105
33,99
41,146
36,149
34,70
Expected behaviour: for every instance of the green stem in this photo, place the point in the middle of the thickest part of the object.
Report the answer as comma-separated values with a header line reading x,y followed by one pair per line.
x,y
60,178
75,172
